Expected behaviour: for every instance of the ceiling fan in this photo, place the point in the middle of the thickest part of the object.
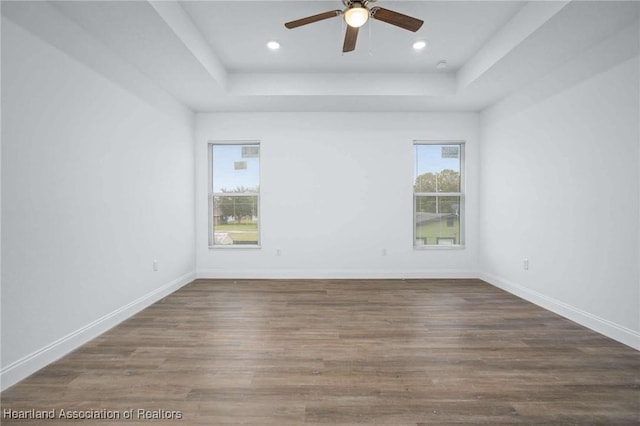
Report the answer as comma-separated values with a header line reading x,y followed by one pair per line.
x,y
356,14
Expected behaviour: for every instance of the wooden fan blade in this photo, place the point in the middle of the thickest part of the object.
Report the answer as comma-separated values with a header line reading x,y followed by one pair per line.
x,y
350,39
397,19
314,18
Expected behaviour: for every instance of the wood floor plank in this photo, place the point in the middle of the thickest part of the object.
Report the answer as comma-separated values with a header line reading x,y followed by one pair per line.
x,y
342,352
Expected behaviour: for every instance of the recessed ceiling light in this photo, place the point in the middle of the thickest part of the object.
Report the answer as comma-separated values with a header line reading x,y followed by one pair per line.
x,y
273,45
419,45
441,65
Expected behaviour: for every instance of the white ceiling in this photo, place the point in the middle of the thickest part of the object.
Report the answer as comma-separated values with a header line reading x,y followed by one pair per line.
x,y
454,30
211,55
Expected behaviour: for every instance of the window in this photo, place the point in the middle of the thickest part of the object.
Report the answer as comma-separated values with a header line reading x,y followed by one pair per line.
x,y
234,194
438,194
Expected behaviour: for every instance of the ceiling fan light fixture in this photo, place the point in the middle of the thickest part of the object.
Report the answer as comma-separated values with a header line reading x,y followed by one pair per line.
x,y
356,15
273,45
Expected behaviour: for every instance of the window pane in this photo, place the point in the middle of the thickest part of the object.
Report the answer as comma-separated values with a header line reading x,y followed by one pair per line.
x,y
437,220
236,168
437,168
235,220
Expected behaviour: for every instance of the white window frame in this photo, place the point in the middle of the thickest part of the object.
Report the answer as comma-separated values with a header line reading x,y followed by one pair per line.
x,y
212,196
461,194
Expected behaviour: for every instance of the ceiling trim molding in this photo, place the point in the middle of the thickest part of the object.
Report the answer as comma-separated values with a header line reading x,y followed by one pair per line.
x,y
45,21
528,20
620,47
327,84
179,22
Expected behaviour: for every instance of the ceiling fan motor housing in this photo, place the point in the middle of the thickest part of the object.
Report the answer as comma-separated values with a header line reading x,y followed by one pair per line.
x,y
364,3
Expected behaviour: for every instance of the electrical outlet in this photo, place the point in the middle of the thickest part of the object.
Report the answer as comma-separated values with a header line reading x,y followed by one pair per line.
x,y
155,265
525,264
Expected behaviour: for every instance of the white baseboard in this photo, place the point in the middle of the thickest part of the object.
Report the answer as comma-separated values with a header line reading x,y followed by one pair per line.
x,y
600,325
331,274
24,367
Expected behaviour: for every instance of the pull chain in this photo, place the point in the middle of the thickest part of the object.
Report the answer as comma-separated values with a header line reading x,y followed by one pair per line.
x,y
343,30
370,44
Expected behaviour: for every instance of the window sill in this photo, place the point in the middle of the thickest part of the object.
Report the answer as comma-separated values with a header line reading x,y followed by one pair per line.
x,y
235,247
440,247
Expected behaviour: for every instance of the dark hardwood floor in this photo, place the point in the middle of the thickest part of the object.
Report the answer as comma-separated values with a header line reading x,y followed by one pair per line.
x,y
337,352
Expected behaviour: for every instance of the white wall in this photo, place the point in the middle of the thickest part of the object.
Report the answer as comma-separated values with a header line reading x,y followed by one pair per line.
x,y
560,186
96,184
336,190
